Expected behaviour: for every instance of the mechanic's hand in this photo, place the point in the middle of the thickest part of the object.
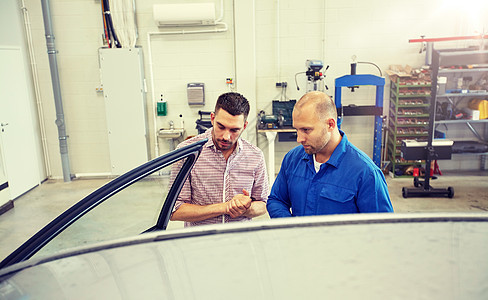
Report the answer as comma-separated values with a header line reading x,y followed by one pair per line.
x,y
247,200
239,204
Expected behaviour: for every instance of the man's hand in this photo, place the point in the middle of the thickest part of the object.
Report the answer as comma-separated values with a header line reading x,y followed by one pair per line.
x,y
239,204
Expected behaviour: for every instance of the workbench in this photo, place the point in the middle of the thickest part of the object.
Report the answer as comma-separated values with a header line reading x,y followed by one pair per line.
x,y
271,137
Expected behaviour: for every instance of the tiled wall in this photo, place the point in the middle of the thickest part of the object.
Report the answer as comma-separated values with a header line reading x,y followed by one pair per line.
x,y
287,33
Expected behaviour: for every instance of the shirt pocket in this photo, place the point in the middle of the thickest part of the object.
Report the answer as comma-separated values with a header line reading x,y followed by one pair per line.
x,y
241,179
336,200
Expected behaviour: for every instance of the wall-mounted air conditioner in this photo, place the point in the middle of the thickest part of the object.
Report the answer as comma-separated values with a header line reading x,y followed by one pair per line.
x,y
185,14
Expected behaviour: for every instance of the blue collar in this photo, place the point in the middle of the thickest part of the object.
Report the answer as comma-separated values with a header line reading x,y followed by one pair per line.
x,y
336,157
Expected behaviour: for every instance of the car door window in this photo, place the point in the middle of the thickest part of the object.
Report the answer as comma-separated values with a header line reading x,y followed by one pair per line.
x,y
130,212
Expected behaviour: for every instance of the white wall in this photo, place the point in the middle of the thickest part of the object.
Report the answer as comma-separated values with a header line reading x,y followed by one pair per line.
x,y
287,32
185,58
77,37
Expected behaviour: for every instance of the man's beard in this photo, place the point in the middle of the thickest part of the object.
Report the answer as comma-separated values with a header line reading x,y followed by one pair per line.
x,y
309,149
317,148
227,145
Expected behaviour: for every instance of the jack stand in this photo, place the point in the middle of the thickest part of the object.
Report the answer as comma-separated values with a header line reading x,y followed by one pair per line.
x,y
423,188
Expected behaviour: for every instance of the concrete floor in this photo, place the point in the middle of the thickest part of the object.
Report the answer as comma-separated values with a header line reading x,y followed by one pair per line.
x,y
42,204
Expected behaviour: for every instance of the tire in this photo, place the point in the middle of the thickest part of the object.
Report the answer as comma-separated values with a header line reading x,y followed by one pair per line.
x,y
416,182
450,192
404,192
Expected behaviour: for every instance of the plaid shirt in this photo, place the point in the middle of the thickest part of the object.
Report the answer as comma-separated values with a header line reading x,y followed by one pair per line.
x,y
214,180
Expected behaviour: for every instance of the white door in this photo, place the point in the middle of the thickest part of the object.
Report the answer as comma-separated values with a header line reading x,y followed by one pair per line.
x,y
4,190
123,90
19,147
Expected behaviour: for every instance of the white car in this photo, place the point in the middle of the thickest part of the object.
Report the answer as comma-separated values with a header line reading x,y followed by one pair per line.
x,y
355,256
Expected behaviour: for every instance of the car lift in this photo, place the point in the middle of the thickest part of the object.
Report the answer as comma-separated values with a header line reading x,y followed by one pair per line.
x,y
354,81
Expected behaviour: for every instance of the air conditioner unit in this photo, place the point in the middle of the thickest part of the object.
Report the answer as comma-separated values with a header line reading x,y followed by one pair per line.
x,y
186,14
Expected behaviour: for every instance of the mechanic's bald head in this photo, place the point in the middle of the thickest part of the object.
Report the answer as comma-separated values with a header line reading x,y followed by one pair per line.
x,y
323,104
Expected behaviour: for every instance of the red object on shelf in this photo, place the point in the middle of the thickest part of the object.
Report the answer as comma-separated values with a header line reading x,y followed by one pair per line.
x,y
415,172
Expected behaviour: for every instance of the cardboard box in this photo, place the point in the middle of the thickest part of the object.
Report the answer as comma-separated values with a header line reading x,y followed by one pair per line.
x,y
471,114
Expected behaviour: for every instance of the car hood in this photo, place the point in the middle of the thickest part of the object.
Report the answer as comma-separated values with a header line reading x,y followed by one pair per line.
x,y
434,256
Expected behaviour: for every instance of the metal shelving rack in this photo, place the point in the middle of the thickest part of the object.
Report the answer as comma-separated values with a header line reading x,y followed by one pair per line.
x,y
441,59
469,124
456,98
403,124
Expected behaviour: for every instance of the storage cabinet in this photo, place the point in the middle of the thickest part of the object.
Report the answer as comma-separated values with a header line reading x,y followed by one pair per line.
x,y
408,119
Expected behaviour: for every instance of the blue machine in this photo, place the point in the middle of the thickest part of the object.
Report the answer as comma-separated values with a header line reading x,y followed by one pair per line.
x,y
354,81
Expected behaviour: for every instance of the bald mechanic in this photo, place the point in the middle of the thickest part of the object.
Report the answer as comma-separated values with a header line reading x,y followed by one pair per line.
x,y
326,174
229,181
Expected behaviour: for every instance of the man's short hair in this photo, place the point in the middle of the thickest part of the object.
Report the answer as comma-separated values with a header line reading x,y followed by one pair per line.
x,y
324,105
326,108
233,103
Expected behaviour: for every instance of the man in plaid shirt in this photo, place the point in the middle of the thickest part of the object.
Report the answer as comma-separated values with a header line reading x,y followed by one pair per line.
x,y
229,180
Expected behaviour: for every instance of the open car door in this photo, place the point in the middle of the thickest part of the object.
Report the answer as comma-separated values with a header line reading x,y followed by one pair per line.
x,y
151,206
